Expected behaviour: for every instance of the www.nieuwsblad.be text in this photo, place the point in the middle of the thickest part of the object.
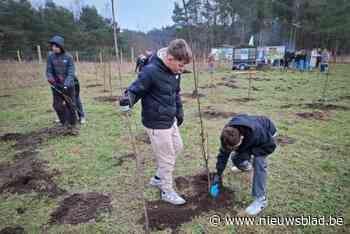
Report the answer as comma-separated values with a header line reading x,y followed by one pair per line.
x,y
217,220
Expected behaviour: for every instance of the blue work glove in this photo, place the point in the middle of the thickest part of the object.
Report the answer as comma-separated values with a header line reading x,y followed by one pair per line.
x,y
216,186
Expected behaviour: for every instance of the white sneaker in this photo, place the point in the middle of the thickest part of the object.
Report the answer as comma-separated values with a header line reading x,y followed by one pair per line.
x,y
57,121
257,206
82,121
248,167
173,198
155,182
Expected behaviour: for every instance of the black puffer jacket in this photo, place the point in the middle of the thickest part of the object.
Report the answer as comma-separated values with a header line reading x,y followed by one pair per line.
x,y
159,91
258,141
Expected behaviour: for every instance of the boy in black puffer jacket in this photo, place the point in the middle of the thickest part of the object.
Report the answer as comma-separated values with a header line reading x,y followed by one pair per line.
x,y
158,88
248,138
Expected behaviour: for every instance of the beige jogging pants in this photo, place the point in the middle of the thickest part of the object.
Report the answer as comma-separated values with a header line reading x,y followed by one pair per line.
x,y
166,144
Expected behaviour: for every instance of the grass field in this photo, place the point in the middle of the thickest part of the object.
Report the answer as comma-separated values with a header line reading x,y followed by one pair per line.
x,y
310,176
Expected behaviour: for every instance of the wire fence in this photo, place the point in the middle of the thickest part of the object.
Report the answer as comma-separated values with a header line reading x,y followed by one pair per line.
x,y
101,56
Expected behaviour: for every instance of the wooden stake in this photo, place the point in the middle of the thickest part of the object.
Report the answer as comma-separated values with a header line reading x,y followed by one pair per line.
x,y
100,55
110,76
325,87
19,56
132,55
104,76
116,49
39,54
77,56
250,85
96,70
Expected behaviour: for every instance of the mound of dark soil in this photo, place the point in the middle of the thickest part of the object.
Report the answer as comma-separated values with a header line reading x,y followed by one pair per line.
x,y
32,139
5,96
81,208
228,84
194,189
208,86
317,105
93,85
13,230
316,115
26,175
10,137
285,140
260,79
213,114
241,99
194,94
325,107
256,89
120,160
107,98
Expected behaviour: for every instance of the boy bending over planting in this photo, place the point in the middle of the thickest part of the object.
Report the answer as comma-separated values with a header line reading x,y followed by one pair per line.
x,y
247,140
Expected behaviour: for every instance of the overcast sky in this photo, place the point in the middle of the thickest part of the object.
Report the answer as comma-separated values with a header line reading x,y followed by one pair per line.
x,y
142,15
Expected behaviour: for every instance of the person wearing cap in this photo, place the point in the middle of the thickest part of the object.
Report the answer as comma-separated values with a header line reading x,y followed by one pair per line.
x,y
246,139
60,73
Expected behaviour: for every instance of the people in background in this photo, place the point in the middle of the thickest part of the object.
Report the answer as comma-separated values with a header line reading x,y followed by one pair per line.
x,y
325,58
211,63
313,59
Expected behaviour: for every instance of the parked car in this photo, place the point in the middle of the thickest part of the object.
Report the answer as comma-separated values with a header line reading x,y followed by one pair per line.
x,y
244,58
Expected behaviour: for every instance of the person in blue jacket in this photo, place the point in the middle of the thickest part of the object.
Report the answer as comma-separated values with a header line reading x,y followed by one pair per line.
x,y
246,139
60,73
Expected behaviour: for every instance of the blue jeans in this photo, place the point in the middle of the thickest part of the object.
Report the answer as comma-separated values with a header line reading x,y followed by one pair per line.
x,y
323,67
259,177
78,103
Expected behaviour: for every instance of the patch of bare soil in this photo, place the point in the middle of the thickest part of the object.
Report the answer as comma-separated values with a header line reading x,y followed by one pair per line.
x,y
194,94
93,86
317,105
256,89
241,99
208,86
229,79
32,139
326,107
228,84
260,79
81,208
107,98
316,115
120,160
211,113
285,140
344,97
194,189
13,230
5,96
27,174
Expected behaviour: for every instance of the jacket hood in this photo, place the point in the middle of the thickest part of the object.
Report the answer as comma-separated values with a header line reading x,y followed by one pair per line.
x,y
58,40
242,120
158,60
